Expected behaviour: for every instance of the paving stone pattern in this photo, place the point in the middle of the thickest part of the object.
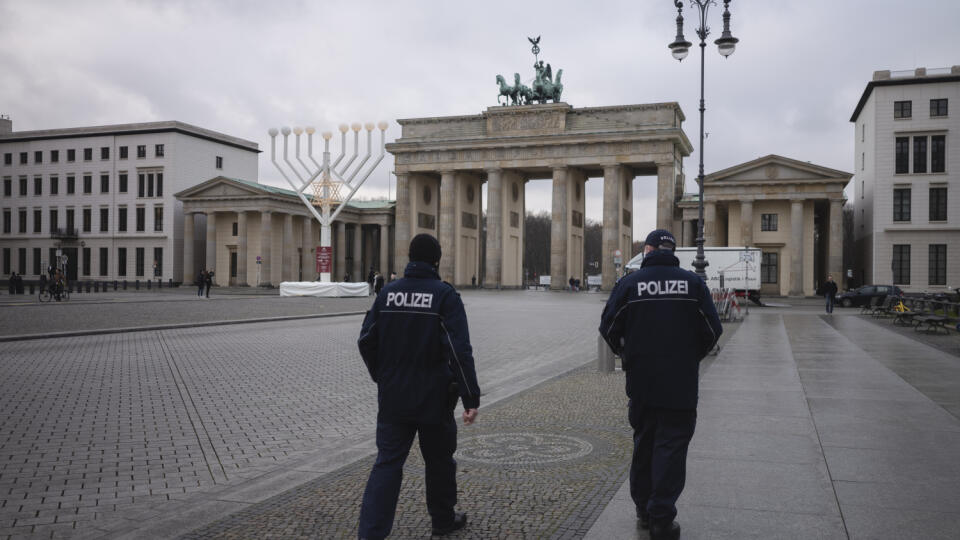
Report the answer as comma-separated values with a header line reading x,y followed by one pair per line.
x,y
526,493
100,434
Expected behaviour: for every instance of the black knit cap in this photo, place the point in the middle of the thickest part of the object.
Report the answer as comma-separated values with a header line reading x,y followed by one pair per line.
x,y
425,248
661,239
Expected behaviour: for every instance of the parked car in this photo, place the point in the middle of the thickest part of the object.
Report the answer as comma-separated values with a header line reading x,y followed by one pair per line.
x,y
862,296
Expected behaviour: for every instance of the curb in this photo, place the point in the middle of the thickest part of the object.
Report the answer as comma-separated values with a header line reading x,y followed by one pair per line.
x,y
101,331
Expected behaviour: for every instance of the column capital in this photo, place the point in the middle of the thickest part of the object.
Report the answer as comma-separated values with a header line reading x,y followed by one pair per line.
x,y
493,170
612,167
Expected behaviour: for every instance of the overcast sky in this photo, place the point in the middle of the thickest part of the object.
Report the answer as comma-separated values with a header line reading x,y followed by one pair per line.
x,y
240,67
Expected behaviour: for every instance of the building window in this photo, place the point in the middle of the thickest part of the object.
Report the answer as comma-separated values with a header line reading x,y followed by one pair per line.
x,y
158,261
938,264
123,152
122,188
6,261
141,185
235,228
38,156
104,220
37,220
159,184
7,223
71,155
938,107
901,264
22,221
158,150
87,184
86,261
54,156
902,109
103,261
863,160
901,204
54,185
141,151
8,158
7,187
36,261
122,219
157,218
71,185
768,222
87,219
22,263
104,183
71,224
54,219
219,162
87,154
105,152
121,261
919,154
770,267
23,158
38,185
141,219
23,186
903,155
938,153
149,184
938,204
139,261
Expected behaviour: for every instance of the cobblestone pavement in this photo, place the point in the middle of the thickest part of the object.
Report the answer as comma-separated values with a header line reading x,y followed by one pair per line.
x,y
540,465
111,434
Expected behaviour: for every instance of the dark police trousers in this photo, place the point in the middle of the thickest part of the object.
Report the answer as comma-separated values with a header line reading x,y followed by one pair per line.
x,y
438,442
659,468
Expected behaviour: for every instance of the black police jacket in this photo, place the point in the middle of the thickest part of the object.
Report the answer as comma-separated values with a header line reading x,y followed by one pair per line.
x,y
415,342
661,320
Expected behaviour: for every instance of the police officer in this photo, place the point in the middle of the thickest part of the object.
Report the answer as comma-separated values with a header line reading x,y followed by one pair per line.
x,y
661,320
416,346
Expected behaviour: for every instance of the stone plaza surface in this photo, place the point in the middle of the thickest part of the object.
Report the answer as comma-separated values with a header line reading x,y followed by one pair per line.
x,y
810,426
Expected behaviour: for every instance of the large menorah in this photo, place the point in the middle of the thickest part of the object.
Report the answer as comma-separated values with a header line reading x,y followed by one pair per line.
x,y
325,178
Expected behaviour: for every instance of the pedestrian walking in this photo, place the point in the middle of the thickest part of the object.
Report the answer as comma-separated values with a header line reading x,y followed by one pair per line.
x,y
370,279
416,346
201,282
829,291
208,282
661,320
378,283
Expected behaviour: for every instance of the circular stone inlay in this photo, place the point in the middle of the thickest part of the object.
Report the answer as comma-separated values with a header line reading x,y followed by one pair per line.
x,y
522,448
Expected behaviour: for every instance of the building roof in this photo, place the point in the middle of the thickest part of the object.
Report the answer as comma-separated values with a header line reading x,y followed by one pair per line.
x,y
131,129
897,78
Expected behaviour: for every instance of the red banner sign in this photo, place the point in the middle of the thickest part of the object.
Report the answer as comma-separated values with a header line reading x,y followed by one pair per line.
x,y
324,259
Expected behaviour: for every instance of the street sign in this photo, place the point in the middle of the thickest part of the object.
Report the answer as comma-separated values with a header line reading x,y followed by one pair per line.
x,y
259,261
324,259
617,253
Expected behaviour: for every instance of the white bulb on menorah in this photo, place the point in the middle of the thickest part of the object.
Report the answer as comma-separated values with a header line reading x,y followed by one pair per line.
x,y
327,180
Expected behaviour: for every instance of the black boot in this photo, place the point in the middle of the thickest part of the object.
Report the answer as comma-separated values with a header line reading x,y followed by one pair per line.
x,y
665,531
459,522
643,519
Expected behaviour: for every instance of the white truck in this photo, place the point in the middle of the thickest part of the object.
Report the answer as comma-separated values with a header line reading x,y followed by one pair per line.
x,y
729,267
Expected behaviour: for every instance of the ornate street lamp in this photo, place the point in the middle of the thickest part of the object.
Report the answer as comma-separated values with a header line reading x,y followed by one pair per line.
x,y
680,48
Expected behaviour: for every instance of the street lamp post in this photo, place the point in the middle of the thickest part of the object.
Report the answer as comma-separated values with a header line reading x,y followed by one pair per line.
x,y
679,48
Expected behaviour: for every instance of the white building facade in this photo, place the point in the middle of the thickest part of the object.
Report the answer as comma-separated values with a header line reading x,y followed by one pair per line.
x,y
104,196
907,185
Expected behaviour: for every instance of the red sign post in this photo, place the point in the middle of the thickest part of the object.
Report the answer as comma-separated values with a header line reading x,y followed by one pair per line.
x,y
324,259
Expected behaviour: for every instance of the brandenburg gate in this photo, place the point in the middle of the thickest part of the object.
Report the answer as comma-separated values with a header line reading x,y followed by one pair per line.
x,y
441,164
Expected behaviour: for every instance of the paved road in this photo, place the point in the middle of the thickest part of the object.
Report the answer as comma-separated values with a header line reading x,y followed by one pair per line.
x,y
129,433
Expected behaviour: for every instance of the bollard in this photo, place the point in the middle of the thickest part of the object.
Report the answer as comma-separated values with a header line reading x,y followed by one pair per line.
x,y
89,285
159,283
31,289
606,362
170,283
96,286
137,284
124,284
149,284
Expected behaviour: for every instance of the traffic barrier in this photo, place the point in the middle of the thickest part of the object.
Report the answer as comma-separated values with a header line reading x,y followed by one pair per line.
x,y
731,306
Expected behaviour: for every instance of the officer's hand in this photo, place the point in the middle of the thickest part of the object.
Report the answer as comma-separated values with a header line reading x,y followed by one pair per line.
x,y
469,415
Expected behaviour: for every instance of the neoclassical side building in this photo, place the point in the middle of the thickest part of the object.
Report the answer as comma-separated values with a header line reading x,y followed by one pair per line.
x,y
792,210
441,164
236,223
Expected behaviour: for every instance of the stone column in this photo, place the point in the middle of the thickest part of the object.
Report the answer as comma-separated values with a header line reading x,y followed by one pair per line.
x,y
746,222
447,226
357,274
611,225
709,223
558,230
666,179
401,235
189,267
835,245
689,233
796,248
211,260
340,268
308,257
289,250
385,251
494,262
266,239
242,249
